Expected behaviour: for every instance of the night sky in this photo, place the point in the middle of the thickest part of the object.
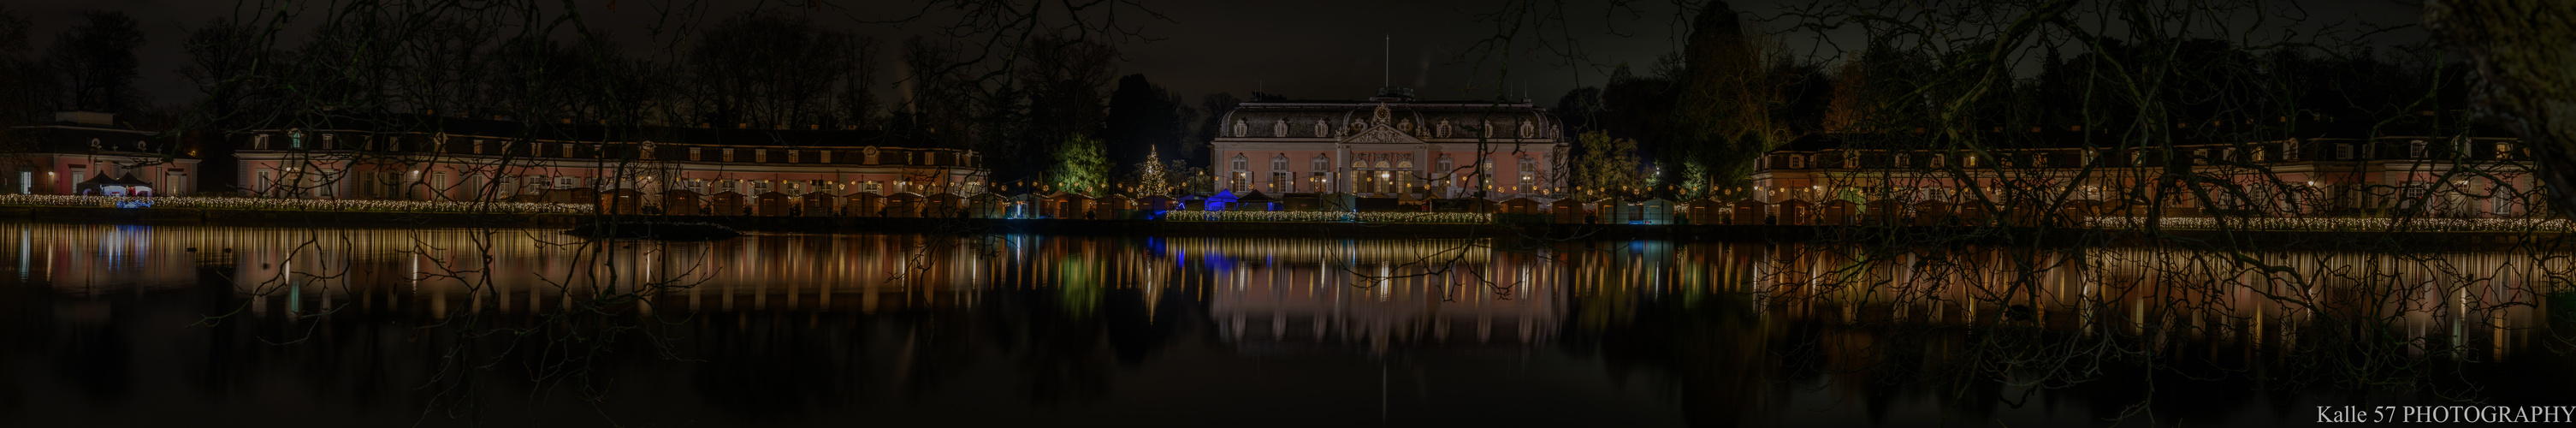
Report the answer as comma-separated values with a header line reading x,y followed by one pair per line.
x,y
1328,49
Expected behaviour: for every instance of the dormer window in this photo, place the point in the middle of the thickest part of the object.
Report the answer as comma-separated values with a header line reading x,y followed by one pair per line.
x,y
2290,151
1851,161
478,146
567,150
1444,129
2415,149
2089,155
1241,128
1940,161
646,150
1486,129
1529,129
1279,129
2504,150
1321,129
2343,151
1901,159
2259,154
727,155
260,142
2199,156
792,155
693,154
1797,162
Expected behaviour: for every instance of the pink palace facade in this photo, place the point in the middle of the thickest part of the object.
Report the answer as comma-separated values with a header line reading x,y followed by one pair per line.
x,y
654,168
88,153
1389,146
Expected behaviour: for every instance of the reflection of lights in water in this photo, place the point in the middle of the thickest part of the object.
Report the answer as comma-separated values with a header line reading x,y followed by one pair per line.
x,y
2098,291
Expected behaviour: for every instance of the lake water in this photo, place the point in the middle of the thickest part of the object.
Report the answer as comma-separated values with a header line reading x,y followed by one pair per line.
x,y
105,325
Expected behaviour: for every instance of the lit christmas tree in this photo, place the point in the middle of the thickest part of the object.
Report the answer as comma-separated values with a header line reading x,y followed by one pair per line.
x,y
1149,177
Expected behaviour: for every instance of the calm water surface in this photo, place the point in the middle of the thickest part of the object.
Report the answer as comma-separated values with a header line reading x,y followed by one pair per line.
x,y
247,326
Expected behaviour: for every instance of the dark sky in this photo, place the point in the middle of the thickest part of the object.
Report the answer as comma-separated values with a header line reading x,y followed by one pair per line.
x,y
1305,49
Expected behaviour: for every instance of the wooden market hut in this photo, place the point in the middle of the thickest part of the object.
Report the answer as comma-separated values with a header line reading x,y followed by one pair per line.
x,y
1156,203
728,203
1520,205
1793,212
1969,214
943,205
1568,211
863,204
1065,205
1837,212
1256,201
1932,213
773,204
1111,207
903,204
1748,212
1657,211
987,205
1702,211
622,201
1884,212
683,202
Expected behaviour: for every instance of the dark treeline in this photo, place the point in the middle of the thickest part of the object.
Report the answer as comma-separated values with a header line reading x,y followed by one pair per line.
x,y
280,66
1698,117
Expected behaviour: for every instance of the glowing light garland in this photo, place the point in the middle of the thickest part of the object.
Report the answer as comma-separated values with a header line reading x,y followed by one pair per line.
x,y
265,204
1331,217
2342,224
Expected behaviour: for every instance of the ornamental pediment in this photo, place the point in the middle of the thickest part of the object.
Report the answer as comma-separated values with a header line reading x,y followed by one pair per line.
x,y
1382,134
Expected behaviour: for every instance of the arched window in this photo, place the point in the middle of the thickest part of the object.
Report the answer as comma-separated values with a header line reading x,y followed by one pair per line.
x,y
1321,164
1241,128
1279,129
1529,129
1241,164
1279,163
1444,129
1323,130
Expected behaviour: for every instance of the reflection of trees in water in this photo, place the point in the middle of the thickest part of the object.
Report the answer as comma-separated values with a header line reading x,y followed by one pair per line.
x,y
1736,331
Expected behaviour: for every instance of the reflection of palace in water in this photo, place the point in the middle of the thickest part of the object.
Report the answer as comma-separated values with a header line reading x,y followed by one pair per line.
x,y
1273,294
1377,292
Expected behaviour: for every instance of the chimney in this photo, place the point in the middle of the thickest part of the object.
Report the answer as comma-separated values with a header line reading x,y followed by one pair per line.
x,y
86,118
